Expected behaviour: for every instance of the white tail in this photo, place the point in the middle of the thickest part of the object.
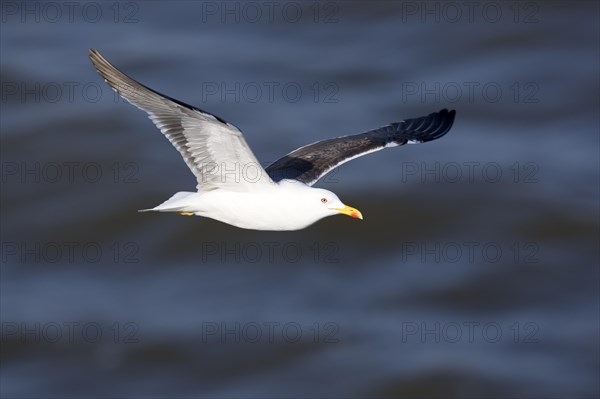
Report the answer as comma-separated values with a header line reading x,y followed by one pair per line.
x,y
176,203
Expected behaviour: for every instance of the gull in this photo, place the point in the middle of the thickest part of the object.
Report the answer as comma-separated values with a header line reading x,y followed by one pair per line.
x,y
233,187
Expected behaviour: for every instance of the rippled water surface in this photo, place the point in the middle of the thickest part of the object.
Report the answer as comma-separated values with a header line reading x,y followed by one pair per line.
x,y
474,273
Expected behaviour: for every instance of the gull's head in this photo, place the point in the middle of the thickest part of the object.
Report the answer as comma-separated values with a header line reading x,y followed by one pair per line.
x,y
295,205
324,203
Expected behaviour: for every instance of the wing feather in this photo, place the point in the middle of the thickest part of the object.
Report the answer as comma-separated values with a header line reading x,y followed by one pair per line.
x,y
214,150
309,163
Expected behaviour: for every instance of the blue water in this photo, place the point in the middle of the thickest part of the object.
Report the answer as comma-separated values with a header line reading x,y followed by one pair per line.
x,y
474,273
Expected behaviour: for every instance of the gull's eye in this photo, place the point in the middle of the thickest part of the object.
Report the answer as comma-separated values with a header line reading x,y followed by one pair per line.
x,y
324,200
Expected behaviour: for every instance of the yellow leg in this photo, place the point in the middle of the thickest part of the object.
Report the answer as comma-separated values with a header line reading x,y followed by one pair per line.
x,y
187,213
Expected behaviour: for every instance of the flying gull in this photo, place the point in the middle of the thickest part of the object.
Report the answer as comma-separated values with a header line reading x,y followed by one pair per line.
x,y
232,185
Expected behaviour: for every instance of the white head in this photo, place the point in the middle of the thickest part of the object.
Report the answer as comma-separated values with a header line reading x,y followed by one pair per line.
x,y
317,203
328,204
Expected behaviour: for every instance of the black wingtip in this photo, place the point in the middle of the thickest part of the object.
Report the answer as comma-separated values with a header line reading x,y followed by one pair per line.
x,y
428,128
445,120
448,121
449,114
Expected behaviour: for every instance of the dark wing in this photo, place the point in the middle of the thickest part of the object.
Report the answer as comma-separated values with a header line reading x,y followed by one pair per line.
x,y
309,163
211,147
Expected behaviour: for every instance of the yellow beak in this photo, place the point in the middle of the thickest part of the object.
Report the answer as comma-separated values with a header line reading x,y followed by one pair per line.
x,y
352,212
